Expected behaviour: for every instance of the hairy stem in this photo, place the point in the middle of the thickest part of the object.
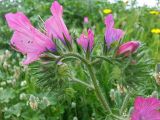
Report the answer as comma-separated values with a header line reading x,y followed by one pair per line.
x,y
125,102
97,89
83,83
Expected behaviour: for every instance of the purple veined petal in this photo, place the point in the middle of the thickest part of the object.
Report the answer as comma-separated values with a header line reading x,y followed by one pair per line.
x,y
130,47
111,34
56,9
18,21
86,40
55,25
109,21
146,109
83,41
31,57
91,39
27,39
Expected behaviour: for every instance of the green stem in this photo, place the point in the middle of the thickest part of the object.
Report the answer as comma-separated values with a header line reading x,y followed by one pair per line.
x,y
125,102
93,77
83,83
98,90
99,58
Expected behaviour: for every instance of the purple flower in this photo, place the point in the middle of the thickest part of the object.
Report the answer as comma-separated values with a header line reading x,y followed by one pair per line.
x,y
27,39
111,34
146,109
128,47
86,41
55,25
86,20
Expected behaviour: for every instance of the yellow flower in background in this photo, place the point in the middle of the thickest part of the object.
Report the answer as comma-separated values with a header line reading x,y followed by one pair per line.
x,y
153,12
107,11
156,31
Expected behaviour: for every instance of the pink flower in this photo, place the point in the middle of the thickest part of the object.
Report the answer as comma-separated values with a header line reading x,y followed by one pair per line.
x,y
146,109
86,41
111,34
55,25
27,39
128,47
86,20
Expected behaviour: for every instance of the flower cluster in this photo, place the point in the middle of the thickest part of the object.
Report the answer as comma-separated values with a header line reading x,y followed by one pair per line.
x,y
31,42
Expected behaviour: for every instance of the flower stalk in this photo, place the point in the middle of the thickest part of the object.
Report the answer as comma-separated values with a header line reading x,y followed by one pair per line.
x,y
97,89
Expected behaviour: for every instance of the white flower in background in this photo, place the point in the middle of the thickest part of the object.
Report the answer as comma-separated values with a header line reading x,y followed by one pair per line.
x,y
7,54
73,105
23,83
22,96
75,118
5,65
3,83
1,88
33,102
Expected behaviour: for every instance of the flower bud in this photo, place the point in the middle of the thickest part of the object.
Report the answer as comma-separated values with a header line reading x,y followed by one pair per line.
x,y
128,48
86,20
